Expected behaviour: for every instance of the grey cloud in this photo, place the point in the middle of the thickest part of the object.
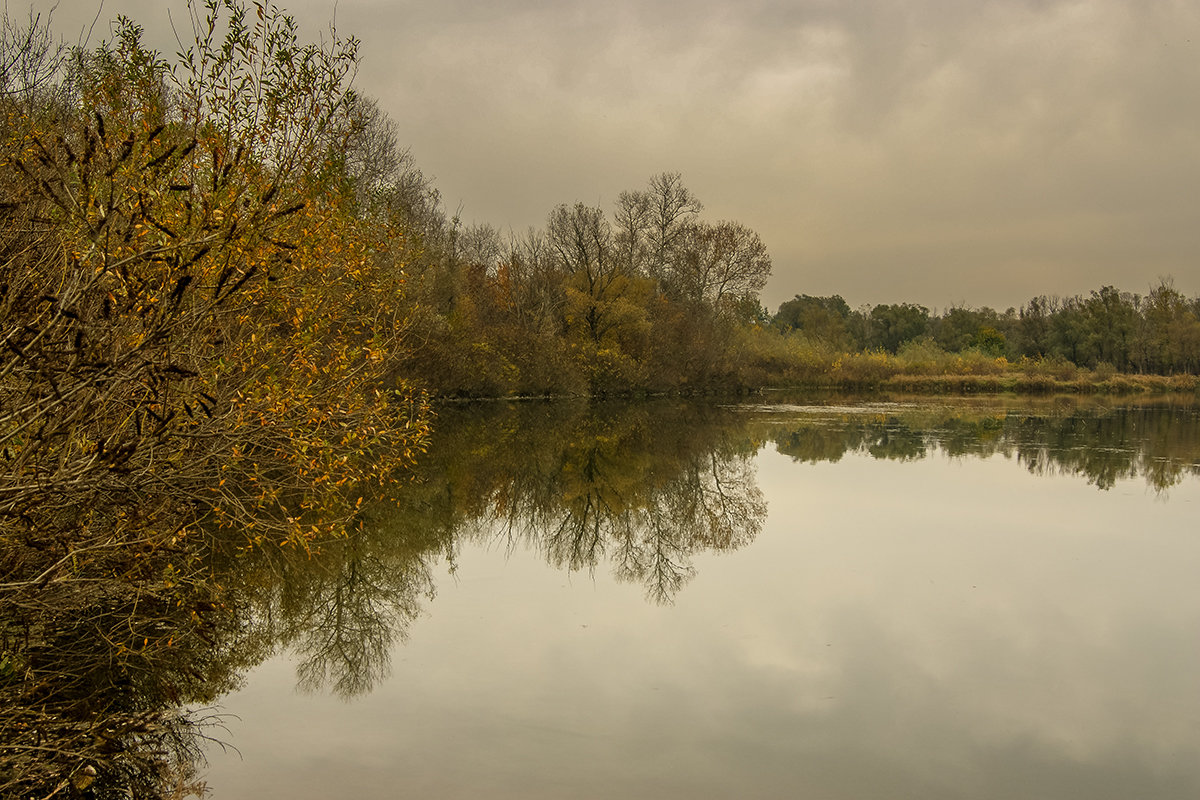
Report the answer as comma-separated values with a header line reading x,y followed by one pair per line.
x,y
935,150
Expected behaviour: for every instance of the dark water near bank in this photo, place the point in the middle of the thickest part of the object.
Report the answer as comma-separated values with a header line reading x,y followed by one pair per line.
x,y
944,599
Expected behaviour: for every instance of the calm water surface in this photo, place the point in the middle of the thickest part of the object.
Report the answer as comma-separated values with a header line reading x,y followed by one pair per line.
x,y
881,600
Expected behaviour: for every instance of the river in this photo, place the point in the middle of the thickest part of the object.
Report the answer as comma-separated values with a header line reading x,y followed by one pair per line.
x,y
784,597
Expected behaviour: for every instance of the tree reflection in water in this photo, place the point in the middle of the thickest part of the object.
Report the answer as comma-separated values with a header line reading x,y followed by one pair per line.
x,y
644,490
639,489
643,487
1156,440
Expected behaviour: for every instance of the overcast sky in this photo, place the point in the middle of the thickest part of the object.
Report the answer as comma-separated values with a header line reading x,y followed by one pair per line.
x,y
942,152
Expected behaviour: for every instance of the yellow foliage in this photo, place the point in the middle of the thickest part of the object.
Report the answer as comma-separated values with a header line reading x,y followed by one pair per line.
x,y
219,326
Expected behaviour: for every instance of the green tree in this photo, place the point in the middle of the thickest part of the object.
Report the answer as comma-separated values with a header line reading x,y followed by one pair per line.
x,y
1069,332
824,319
892,325
1112,321
1169,339
1035,327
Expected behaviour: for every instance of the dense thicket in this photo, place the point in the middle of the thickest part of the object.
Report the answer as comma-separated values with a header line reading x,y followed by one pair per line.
x,y
647,297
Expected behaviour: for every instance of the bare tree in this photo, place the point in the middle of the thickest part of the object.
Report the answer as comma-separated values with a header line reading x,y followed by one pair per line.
x,y
582,241
373,157
30,57
530,282
721,263
672,208
479,245
633,225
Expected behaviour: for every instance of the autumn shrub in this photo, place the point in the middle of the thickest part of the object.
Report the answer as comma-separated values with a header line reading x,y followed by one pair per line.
x,y
975,361
541,365
1055,367
458,365
923,356
789,359
611,371
1183,384
810,359
766,358
867,368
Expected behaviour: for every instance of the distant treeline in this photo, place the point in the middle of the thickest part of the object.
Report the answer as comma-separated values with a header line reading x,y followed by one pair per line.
x,y
1108,329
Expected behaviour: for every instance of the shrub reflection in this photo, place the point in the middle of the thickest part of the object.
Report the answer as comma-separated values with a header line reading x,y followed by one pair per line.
x,y
91,702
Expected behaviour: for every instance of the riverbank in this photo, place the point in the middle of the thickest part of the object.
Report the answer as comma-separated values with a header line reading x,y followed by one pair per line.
x,y
1084,383
928,370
